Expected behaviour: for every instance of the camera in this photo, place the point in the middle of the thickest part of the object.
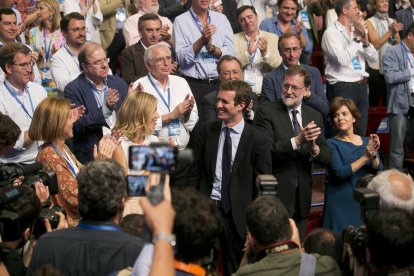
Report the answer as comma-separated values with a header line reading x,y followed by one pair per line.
x,y
32,173
267,185
356,237
46,214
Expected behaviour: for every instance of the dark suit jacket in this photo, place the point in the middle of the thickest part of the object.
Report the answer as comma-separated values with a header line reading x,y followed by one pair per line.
x,y
87,131
406,17
172,9
252,158
272,88
291,168
132,63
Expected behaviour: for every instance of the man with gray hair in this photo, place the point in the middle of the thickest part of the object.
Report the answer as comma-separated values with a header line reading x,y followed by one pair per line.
x,y
176,104
396,189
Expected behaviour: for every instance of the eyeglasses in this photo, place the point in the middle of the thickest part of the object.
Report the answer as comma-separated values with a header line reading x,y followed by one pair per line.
x,y
161,60
288,50
77,30
100,62
294,88
25,65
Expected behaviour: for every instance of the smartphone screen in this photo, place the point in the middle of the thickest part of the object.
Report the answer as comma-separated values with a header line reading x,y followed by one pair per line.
x,y
136,185
156,158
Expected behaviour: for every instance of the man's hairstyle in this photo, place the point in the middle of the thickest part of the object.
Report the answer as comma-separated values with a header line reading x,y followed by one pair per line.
x,y
286,36
339,102
280,2
85,51
196,225
243,91
227,58
396,189
243,8
268,221
148,52
340,4
390,239
101,188
323,242
27,207
49,119
6,12
53,7
9,51
134,116
410,29
296,70
133,224
9,131
147,17
64,22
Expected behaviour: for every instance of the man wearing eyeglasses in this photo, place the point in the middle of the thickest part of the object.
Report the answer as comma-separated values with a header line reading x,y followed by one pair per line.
x,y
19,98
100,93
295,132
290,49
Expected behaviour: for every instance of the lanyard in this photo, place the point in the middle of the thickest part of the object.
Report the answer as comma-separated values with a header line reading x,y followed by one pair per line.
x,y
407,55
197,22
99,227
47,49
13,94
167,104
97,95
72,55
71,168
342,32
251,59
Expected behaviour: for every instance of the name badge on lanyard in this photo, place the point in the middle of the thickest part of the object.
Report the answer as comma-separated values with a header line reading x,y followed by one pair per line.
x,y
356,63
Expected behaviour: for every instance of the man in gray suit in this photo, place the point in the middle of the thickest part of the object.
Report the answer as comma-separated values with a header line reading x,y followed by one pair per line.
x,y
398,62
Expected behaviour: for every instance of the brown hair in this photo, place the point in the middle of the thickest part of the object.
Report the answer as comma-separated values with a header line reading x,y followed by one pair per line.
x,y
298,70
243,91
9,51
49,119
339,102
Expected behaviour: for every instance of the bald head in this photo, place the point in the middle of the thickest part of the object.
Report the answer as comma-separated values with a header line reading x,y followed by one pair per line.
x,y
395,188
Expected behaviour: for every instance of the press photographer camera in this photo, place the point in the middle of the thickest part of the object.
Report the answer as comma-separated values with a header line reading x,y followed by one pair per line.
x,y
32,173
388,237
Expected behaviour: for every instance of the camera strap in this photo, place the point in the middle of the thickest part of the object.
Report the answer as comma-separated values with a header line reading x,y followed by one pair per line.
x,y
99,227
193,269
281,247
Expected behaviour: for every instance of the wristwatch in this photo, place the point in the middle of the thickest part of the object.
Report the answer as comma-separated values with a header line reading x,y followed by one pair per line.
x,y
165,237
211,49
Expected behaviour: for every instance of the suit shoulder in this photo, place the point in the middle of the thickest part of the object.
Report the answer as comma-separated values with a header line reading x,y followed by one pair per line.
x,y
312,69
311,111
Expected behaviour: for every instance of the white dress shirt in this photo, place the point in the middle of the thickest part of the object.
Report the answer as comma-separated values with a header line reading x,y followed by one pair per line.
x,y
10,107
179,89
64,67
340,50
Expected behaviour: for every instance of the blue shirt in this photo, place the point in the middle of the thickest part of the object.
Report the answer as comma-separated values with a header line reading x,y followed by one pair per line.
x,y
186,31
270,25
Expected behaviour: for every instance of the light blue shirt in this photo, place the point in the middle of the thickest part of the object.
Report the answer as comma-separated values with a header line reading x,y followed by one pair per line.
x,y
270,25
235,134
186,31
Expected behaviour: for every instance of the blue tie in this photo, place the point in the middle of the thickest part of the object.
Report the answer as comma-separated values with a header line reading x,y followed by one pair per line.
x,y
226,172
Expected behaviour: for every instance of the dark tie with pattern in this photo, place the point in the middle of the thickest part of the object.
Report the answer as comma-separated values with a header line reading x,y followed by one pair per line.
x,y
296,126
226,171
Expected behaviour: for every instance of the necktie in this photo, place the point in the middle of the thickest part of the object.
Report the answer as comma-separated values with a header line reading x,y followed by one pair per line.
x,y
296,126
226,171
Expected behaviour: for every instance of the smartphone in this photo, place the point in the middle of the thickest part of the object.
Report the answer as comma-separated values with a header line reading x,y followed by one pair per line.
x,y
155,158
136,185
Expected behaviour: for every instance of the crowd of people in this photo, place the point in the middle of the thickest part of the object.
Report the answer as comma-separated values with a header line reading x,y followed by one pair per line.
x,y
82,81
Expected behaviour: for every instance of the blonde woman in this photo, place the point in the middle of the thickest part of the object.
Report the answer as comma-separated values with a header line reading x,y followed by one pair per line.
x,y
53,122
46,39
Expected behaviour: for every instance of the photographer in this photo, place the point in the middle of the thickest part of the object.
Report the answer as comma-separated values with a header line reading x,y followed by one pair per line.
x,y
272,244
97,246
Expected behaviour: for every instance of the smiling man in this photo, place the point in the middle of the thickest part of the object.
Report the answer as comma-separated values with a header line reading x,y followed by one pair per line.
x,y
19,98
228,156
295,133
101,94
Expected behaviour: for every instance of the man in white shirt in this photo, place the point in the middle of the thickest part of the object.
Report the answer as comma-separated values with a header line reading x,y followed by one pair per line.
x,y
346,49
64,63
19,98
130,30
176,104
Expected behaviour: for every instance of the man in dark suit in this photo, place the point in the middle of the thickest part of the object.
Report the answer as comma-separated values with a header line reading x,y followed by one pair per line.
x,y
295,132
101,94
132,58
229,154
290,49
405,16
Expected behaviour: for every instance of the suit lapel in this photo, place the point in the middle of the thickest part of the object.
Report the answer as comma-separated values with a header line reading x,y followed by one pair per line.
x,y
87,90
284,119
280,72
215,135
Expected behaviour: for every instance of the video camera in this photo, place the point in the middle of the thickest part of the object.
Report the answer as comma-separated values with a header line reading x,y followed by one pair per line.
x,y
32,173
